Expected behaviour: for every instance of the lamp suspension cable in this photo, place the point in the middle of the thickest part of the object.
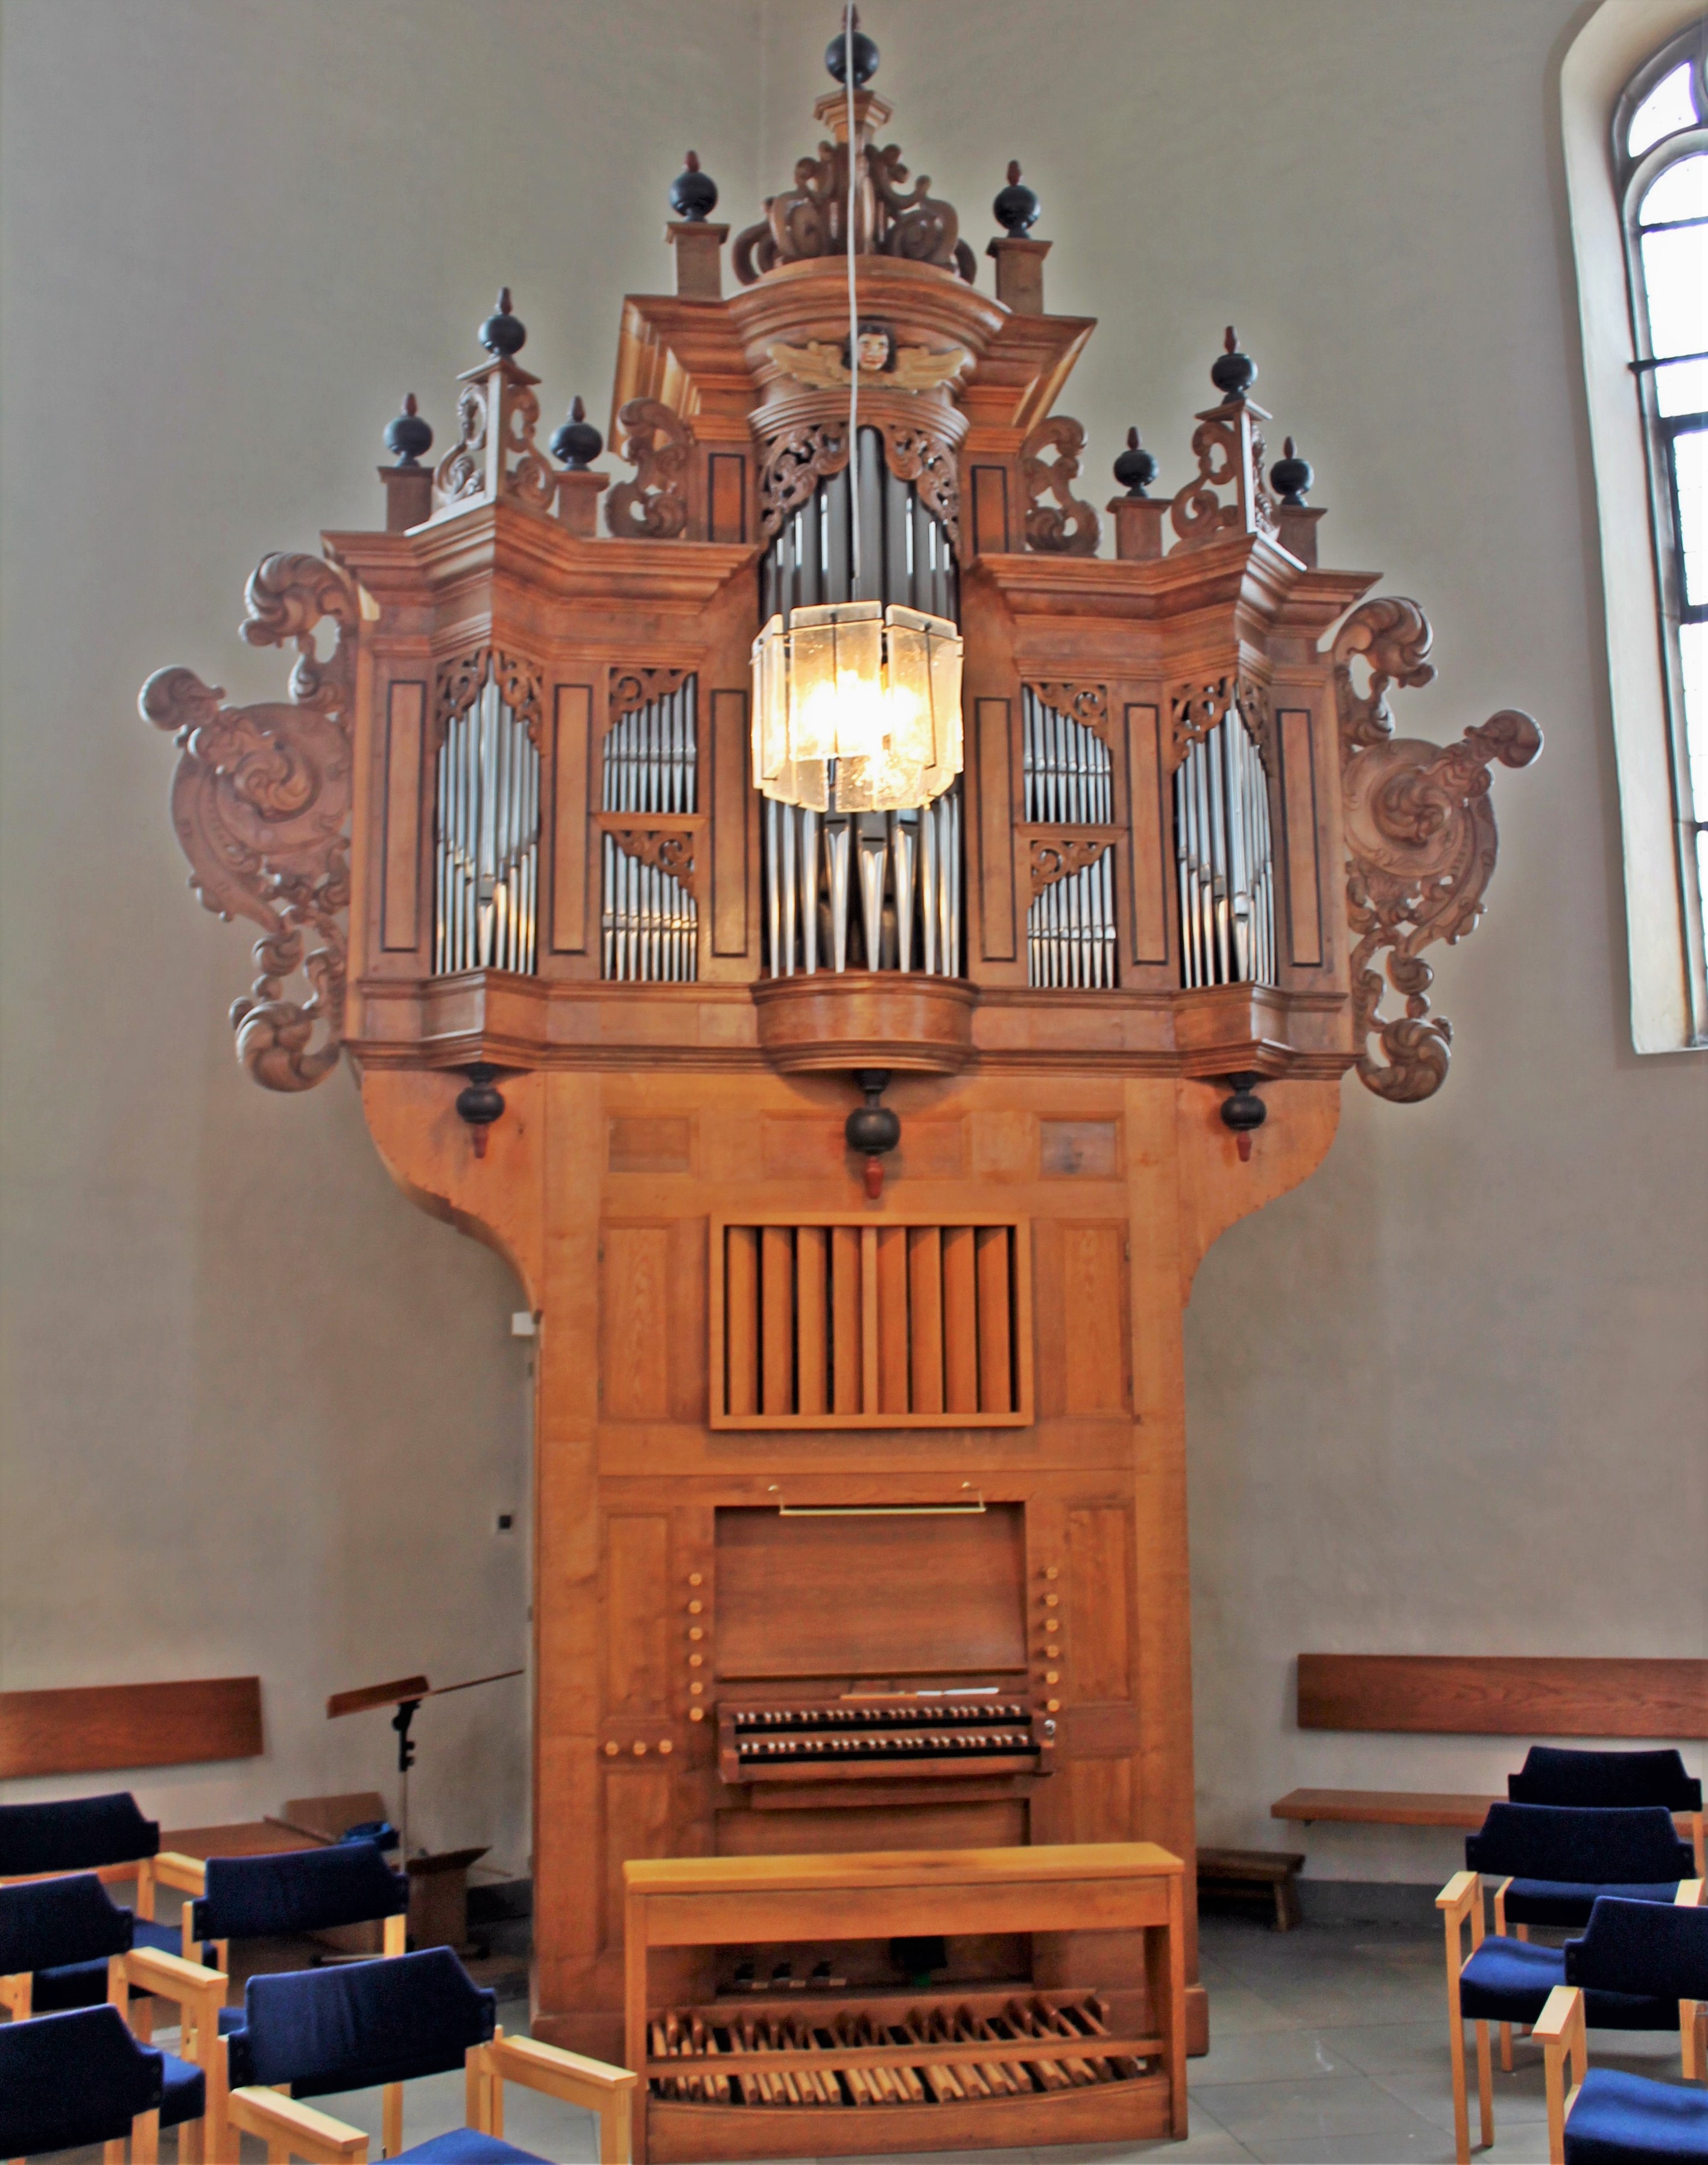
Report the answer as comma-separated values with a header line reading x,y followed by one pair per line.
x,y
849,16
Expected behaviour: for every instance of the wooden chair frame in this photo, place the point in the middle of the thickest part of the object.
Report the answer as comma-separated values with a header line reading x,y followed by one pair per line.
x,y
1561,2030
292,2130
199,1994
1462,1899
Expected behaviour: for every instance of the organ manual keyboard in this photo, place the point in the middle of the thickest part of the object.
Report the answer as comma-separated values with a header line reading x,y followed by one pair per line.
x,y
976,1731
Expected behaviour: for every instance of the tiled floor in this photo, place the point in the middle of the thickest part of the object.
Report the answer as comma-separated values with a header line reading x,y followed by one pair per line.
x,y
1329,2044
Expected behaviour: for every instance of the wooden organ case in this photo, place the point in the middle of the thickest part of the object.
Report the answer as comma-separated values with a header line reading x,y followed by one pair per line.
x,y
861,1517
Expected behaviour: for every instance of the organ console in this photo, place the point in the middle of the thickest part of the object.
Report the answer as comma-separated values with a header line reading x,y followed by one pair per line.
x,y
844,774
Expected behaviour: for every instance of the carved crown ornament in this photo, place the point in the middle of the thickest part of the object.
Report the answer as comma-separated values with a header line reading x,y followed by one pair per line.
x,y
491,593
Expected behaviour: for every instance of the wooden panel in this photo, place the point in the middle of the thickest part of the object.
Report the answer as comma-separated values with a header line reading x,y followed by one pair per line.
x,y
865,1597
638,1144
991,510
1149,836
1299,836
845,1318
637,1823
729,823
848,1828
892,1319
1099,1799
741,1320
995,1320
925,1315
91,1729
726,492
1099,1603
1094,1317
1429,1808
812,1318
960,1320
802,1146
777,1320
572,729
635,1318
399,898
1084,1150
637,1609
992,730
1513,1695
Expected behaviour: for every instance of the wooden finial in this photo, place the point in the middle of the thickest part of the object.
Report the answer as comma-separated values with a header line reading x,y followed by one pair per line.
x,y
504,332
1233,372
1136,468
1016,207
693,194
408,436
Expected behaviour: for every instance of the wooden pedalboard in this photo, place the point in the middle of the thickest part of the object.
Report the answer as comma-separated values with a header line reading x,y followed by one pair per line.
x,y
876,1734
775,2078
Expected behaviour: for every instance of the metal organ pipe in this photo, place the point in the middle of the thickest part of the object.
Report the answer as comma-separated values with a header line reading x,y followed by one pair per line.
x,y
1225,860
1067,781
485,839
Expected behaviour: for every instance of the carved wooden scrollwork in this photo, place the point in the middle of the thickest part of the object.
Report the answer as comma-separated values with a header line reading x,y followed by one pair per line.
x,y
1420,842
460,680
1201,704
261,802
501,459
1088,704
1058,522
793,464
656,443
890,219
670,849
1230,453
1059,856
919,454
638,688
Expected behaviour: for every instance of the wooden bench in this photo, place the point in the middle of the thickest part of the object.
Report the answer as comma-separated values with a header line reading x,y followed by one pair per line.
x,y
1267,1876
1091,2082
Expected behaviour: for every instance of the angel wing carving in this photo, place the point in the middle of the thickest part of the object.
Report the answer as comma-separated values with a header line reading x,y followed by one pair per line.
x,y
820,366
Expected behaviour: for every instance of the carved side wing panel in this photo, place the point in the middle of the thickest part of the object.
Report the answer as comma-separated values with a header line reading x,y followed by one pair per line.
x,y
1067,526
656,442
261,802
1420,842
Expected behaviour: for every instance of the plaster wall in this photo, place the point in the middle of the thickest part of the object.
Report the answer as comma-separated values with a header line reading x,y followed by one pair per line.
x,y
1448,1396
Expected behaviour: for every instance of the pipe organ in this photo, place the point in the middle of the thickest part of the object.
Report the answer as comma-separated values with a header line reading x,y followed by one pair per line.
x,y
860,1439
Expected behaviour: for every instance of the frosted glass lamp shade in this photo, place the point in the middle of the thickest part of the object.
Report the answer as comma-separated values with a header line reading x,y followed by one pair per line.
x,y
857,707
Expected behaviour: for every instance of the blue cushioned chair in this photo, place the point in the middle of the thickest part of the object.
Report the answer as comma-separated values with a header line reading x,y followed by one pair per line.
x,y
1609,2118
1507,1980
1604,1780
74,1920
319,2032
69,2081
107,1835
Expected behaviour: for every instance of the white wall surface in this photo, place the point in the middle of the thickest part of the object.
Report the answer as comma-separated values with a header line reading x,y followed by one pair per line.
x,y
1448,1397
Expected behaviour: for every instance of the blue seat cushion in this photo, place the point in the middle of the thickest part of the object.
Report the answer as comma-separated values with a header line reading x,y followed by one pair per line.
x,y
76,1835
68,1985
1569,1901
70,2080
163,1939
300,1890
388,2020
185,2096
1633,1847
1626,2119
464,2146
1510,1980
1554,1775
230,2019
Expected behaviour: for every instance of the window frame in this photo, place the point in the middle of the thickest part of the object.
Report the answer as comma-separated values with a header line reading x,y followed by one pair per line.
x,y
1615,57
1635,177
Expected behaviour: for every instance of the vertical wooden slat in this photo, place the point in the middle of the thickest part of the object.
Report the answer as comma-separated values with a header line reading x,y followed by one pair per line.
x,y
399,895
892,1319
1299,833
996,1355
845,1318
730,792
811,1313
869,1394
925,1303
960,1321
572,725
1148,835
742,1318
996,829
777,1319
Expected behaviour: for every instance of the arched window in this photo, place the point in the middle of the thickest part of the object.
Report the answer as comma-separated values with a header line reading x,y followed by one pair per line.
x,y
1660,153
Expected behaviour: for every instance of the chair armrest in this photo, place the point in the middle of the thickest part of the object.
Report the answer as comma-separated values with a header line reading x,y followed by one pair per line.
x,y
296,2128
1689,1893
1458,1895
154,1970
1561,2011
188,1874
1691,1829
1559,2030
566,2076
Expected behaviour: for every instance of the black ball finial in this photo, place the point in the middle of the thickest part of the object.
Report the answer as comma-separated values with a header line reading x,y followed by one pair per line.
x,y
865,56
408,436
1233,372
1290,476
1016,207
693,194
577,442
1136,468
504,332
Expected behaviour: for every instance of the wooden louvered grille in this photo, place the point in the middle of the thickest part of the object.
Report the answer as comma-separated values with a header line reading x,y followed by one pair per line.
x,y
827,1322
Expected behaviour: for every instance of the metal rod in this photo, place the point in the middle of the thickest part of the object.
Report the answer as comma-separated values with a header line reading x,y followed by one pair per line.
x,y
838,843
809,890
